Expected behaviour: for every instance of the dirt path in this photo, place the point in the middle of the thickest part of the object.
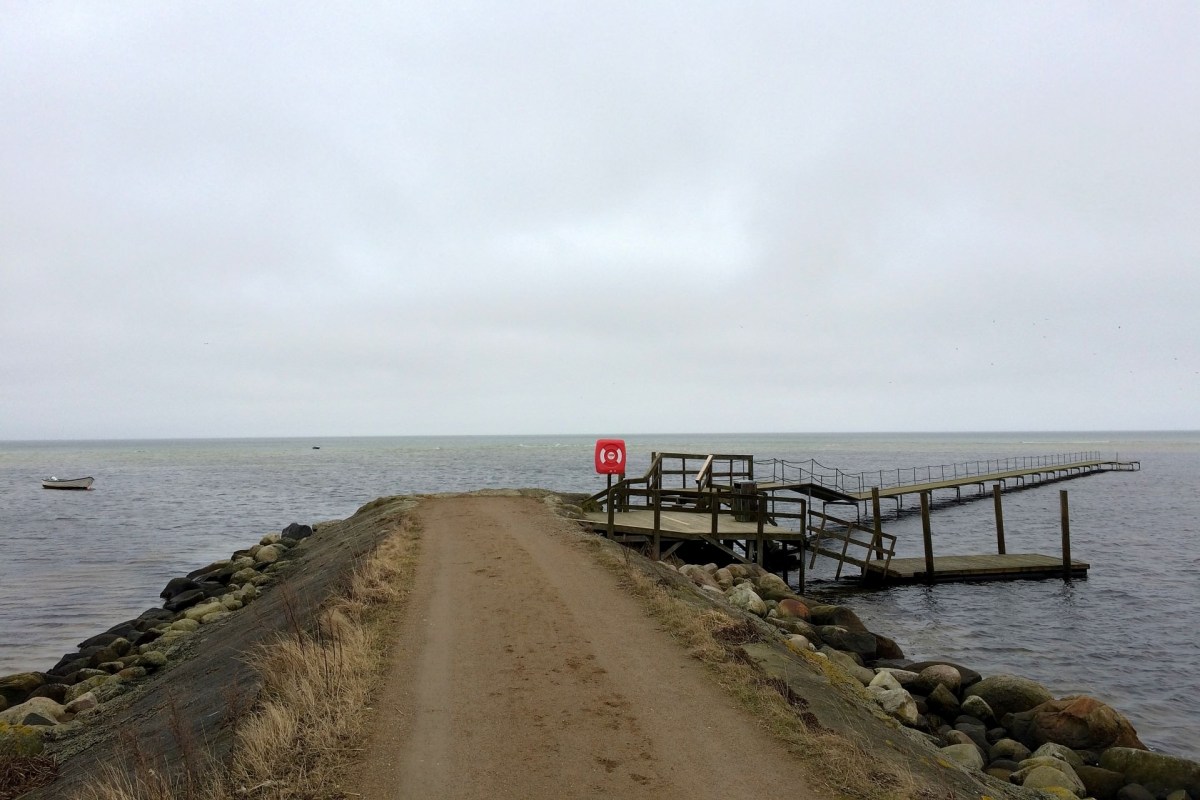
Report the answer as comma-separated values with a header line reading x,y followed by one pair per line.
x,y
523,670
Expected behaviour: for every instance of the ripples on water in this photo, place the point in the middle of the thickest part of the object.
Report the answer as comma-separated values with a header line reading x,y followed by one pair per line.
x,y
75,563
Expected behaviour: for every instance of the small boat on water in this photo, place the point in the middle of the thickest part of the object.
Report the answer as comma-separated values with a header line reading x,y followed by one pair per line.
x,y
67,483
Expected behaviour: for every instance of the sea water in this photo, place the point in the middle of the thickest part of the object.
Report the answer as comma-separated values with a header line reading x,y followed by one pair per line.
x,y
74,563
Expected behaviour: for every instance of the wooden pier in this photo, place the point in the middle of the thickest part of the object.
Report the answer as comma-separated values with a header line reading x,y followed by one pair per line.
x,y
717,502
833,486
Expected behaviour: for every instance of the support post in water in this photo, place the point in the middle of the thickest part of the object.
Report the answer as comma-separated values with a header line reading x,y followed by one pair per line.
x,y
927,532
999,518
1066,533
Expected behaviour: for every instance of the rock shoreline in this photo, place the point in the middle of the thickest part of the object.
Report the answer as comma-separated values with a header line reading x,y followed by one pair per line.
x,y
1005,726
40,706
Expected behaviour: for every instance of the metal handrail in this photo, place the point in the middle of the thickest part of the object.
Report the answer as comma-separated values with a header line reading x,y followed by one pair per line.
x,y
812,471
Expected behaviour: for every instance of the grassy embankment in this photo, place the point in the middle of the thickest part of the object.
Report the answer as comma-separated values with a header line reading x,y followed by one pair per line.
x,y
308,726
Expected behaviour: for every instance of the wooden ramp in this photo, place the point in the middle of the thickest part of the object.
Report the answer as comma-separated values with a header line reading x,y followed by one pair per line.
x,y
1011,566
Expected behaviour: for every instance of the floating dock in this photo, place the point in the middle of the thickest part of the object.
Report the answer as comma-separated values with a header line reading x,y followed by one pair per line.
x,y
991,567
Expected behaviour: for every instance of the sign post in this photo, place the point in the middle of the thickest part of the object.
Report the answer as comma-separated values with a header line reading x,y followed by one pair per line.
x,y
610,460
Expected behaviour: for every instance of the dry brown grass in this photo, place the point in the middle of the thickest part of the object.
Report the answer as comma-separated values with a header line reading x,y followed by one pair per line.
x,y
308,723
21,774
713,636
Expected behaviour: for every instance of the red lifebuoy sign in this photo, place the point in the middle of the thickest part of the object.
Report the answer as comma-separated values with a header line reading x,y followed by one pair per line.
x,y
610,456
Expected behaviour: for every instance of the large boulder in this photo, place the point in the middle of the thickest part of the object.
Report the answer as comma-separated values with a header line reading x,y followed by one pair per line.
x,y
185,600
799,644
1009,694
744,597
243,576
773,587
1009,749
1102,784
297,531
905,678
969,676
699,576
1079,722
269,554
177,586
100,640
197,612
887,648
797,626
836,615
899,704
943,702
724,578
55,691
1157,772
71,662
841,638
20,741
979,709
966,755
791,608
1045,776
154,616
42,706
938,675
885,680
15,689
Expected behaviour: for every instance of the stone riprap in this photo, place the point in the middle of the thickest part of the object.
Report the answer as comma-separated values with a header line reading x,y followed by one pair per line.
x,y
1007,726
37,704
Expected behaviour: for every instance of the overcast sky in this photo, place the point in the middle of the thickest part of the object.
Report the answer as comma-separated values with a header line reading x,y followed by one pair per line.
x,y
272,219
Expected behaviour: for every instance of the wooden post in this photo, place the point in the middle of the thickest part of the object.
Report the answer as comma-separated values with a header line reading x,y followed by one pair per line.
x,y
877,539
927,532
657,545
758,537
715,505
612,502
1066,533
999,518
803,536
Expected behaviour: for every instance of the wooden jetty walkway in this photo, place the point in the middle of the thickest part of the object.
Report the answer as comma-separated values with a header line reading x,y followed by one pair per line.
x,y
713,498
831,485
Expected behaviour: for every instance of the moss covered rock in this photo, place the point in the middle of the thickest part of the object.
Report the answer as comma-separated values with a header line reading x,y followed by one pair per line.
x,y
17,741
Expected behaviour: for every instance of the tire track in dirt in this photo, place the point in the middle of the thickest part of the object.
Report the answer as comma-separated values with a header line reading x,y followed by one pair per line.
x,y
523,670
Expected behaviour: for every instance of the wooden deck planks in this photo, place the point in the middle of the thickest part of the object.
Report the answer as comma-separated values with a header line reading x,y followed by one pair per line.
x,y
687,525
1010,566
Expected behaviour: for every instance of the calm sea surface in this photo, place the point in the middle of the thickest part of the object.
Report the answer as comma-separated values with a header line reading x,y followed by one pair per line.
x,y
74,563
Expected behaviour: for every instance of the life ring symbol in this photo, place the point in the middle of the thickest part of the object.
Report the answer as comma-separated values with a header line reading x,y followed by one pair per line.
x,y
610,456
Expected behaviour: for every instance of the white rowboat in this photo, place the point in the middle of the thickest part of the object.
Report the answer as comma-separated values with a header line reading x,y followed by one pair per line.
x,y
67,483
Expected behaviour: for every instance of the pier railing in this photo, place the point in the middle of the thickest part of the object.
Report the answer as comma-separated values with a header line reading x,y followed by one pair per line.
x,y
812,471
